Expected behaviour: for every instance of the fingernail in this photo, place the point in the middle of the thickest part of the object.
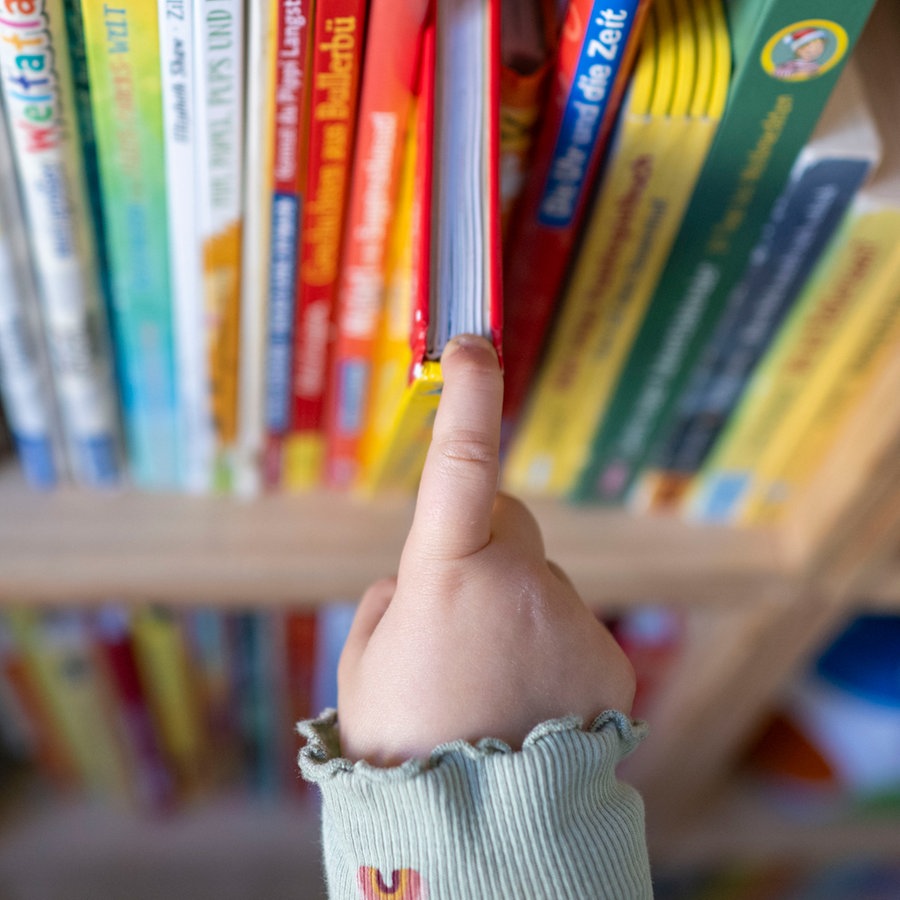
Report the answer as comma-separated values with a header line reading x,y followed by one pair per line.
x,y
468,341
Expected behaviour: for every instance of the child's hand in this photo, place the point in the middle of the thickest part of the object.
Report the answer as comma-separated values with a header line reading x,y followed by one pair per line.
x,y
479,636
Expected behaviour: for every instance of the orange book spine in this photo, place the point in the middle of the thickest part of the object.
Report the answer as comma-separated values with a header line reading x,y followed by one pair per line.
x,y
390,74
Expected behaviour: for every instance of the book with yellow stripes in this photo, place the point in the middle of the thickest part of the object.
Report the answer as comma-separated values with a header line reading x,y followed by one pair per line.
x,y
667,126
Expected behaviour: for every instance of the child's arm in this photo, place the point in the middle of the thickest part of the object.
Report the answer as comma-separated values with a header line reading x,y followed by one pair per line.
x,y
478,638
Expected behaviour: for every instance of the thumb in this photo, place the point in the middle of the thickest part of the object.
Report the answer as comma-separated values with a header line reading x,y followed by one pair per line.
x,y
459,480
369,613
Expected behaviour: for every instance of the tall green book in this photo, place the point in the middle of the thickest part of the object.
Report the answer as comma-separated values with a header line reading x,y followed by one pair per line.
x,y
787,57
122,47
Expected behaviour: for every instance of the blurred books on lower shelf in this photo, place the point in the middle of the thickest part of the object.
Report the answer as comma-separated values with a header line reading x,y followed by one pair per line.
x,y
154,709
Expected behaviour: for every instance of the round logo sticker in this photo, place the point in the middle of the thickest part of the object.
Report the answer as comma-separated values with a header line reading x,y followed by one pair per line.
x,y
804,50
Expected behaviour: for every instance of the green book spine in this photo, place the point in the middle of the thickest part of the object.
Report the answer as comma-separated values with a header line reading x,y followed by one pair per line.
x,y
787,57
122,45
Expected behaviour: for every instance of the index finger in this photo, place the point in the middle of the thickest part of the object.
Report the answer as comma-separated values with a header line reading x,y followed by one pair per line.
x,y
459,481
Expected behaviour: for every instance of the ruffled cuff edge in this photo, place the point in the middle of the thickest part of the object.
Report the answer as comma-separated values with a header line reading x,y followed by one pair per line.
x,y
320,759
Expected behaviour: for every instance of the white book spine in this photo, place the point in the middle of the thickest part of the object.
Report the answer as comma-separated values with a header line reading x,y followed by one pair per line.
x,y
37,87
176,21
24,376
262,27
219,99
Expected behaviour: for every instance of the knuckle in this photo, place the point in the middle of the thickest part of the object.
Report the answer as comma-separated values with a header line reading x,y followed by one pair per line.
x,y
468,449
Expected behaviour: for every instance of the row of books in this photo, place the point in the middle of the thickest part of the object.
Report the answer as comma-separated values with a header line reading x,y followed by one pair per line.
x,y
696,199
196,226
732,298
154,708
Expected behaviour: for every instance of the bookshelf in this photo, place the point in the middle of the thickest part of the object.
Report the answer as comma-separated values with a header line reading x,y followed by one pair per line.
x,y
758,602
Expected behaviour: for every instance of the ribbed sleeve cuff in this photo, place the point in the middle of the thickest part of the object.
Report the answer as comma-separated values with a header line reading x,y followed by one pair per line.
x,y
483,821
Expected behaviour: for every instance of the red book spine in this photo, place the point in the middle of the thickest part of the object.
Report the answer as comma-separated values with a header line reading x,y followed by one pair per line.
x,y
300,671
155,782
596,51
390,73
421,217
288,176
336,65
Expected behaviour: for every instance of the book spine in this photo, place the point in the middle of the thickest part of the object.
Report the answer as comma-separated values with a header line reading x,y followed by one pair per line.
x,y
219,99
122,44
177,72
523,96
154,785
40,106
255,655
645,191
39,733
768,119
61,660
597,47
82,92
394,32
299,664
295,19
18,734
393,357
850,272
25,381
803,221
847,368
166,675
334,92
262,42
333,621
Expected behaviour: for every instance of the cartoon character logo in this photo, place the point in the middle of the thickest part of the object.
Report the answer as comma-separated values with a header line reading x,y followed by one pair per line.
x,y
804,50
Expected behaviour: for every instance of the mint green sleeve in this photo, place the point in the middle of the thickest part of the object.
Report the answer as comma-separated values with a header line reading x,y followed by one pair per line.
x,y
484,822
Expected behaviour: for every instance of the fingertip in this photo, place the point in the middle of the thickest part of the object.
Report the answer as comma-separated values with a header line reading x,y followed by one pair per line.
x,y
470,350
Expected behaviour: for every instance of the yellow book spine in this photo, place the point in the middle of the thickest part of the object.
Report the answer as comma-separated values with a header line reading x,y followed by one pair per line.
x,y
165,673
631,230
399,465
304,457
846,370
721,77
72,684
393,354
848,277
686,59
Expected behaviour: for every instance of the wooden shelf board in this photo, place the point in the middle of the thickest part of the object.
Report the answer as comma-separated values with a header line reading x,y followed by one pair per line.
x,y
74,546
226,847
